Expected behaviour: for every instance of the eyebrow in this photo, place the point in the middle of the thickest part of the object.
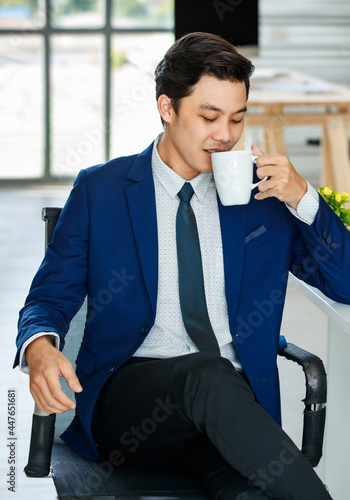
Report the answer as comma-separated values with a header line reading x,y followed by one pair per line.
x,y
212,107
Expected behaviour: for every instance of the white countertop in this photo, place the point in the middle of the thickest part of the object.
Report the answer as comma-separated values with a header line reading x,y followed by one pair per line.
x,y
339,313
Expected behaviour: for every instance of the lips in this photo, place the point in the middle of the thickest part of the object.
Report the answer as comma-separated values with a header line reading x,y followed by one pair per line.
x,y
216,150
208,152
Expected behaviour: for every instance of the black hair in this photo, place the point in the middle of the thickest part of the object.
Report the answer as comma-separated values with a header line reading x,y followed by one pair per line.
x,y
193,56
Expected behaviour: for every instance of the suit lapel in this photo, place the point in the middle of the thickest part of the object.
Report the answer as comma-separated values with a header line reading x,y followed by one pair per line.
x,y
142,209
233,222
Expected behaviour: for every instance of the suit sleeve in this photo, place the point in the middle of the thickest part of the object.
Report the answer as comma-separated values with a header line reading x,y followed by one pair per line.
x,y
60,285
321,254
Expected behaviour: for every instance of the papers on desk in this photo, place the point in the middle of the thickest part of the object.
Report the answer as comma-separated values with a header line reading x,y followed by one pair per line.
x,y
284,82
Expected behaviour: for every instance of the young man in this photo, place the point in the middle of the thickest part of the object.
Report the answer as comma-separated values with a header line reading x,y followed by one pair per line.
x,y
146,392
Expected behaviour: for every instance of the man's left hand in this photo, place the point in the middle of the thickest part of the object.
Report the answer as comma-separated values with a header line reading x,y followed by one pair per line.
x,y
283,181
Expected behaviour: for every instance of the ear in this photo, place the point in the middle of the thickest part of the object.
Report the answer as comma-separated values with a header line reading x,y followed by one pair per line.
x,y
165,108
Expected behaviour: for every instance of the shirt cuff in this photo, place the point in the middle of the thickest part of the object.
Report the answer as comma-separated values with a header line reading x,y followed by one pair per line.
x,y
308,206
23,365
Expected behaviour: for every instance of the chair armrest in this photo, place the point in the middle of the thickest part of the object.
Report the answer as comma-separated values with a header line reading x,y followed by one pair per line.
x,y
315,399
43,430
315,373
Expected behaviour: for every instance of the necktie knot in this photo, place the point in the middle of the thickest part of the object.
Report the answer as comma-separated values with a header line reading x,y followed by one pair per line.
x,y
186,192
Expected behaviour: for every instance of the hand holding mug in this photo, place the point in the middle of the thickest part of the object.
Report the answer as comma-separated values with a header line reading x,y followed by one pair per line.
x,y
284,182
233,175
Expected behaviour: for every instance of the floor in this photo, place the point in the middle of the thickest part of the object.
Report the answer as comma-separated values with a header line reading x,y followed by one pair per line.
x,y
21,249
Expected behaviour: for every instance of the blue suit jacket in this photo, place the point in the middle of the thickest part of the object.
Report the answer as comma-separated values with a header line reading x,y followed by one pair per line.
x,y
105,245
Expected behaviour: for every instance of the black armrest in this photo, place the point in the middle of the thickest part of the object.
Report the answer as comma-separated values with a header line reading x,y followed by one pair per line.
x,y
41,441
315,400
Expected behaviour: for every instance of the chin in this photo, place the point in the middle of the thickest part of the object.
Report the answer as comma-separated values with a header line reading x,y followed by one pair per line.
x,y
207,167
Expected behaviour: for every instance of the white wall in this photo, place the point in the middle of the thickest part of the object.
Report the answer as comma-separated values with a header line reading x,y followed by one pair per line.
x,y
312,36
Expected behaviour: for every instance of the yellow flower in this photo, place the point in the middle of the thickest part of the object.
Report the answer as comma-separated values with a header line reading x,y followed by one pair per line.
x,y
327,191
338,198
345,195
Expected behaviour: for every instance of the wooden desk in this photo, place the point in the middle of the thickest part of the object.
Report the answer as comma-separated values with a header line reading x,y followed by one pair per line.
x,y
275,94
337,437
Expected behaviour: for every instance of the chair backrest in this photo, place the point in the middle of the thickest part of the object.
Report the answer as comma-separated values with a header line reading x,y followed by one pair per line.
x,y
76,329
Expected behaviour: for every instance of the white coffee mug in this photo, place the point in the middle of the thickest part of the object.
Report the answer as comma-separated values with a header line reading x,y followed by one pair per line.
x,y
233,176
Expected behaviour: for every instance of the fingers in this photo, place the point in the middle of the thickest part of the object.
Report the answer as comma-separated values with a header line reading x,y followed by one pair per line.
x,y
256,151
284,182
48,394
72,380
46,365
278,170
269,188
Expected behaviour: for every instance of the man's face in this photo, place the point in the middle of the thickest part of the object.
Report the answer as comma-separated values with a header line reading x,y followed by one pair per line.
x,y
210,119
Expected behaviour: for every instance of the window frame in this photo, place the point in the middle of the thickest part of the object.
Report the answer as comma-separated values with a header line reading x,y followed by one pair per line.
x,y
47,31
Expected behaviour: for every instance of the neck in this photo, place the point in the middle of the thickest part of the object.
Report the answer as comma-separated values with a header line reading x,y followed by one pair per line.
x,y
171,157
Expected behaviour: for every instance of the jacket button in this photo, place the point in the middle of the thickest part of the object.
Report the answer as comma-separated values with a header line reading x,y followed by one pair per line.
x,y
111,369
329,240
144,330
333,246
324,235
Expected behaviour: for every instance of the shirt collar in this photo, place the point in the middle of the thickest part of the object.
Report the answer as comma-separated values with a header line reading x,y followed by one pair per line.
x,y
173,182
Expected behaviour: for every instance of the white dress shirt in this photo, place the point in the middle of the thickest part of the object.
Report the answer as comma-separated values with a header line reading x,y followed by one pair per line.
x,y
168,336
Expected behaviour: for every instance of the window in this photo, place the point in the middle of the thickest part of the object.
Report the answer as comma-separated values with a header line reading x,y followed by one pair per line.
x,y
77,85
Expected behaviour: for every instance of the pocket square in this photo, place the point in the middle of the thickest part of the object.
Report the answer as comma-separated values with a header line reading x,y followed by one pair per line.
x,y
255,234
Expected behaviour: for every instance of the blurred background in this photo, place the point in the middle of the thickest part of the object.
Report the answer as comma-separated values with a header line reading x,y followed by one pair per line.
x,y
67,68
76,76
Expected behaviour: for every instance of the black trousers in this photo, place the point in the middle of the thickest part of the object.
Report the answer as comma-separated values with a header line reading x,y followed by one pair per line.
x,y
197,412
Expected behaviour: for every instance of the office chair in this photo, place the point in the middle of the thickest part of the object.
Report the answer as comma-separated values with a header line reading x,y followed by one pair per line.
x,y
76,477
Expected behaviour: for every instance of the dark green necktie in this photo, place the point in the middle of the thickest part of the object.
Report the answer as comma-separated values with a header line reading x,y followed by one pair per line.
x,y
191,283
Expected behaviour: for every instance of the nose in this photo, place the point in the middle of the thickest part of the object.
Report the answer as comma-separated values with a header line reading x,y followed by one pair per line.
x,y
222,133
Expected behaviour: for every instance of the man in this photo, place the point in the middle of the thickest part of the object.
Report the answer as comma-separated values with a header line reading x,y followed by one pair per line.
x,y
146,394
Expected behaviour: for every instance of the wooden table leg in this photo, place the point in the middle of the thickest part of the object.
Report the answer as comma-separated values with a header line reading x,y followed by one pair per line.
x,y
327,178
273,136
277,143
336,154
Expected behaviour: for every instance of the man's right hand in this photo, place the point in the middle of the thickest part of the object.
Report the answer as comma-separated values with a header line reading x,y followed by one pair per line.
x,y
46,365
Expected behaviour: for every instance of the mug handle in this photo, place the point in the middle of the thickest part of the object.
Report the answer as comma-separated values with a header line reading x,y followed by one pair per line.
x,y
262,180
